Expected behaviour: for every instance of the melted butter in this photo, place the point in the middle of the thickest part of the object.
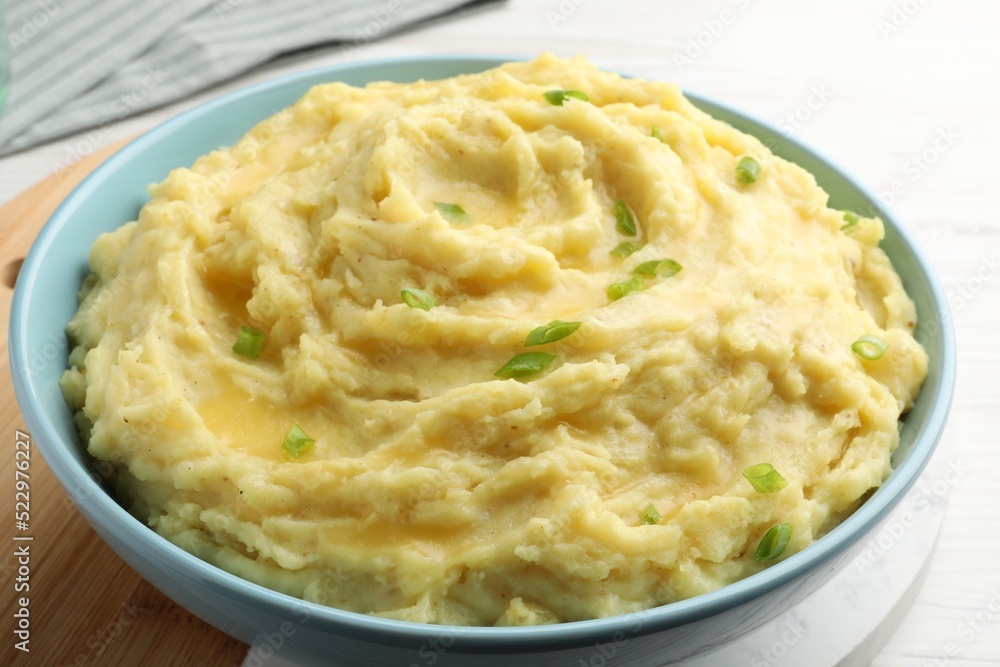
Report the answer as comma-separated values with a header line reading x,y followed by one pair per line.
x,y
257,426
403,455
438,540
229,298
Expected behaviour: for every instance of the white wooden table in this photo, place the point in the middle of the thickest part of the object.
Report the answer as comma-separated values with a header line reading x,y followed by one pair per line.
x,y
902,93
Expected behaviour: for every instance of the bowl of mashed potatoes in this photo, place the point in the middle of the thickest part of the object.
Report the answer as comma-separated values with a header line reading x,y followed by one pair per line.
x,y
455,361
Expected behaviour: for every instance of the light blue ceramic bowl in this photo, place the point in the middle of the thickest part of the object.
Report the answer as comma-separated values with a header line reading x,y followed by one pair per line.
x,y
45,299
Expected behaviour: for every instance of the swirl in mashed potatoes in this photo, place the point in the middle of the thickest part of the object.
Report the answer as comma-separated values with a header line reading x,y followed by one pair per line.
x,y
436,491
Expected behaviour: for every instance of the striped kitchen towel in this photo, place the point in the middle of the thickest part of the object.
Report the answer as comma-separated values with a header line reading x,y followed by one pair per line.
x,y
78,64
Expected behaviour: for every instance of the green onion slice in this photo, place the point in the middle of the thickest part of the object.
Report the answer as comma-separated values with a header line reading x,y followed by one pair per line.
x,y
663,268
650,517
551,332
248,342
417,298
624,218
870,347
655,133
296,441
618,290
557,97
764,478
452,212
625,249
851,219
774,542
747,170
525,364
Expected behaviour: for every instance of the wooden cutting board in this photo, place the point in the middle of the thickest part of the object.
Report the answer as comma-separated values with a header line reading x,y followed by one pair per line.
x,y
87,607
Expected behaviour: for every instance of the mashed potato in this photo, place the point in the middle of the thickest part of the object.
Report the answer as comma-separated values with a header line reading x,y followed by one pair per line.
x,y
435,491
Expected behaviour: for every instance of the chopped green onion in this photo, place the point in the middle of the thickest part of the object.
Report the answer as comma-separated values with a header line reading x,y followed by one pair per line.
x,y
618,290
774,542
557,97
764,478
551,332
664,268
296,441
452,212
851,219
747,170
417,298
650,517
248,342
655,133
870,347
624,218
625,249
525,364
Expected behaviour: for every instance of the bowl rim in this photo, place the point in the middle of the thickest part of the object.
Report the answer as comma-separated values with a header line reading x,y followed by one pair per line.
x,y
99,506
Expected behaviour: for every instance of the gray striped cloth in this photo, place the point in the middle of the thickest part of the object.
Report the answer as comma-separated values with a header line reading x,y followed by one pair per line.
x,y
78,64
